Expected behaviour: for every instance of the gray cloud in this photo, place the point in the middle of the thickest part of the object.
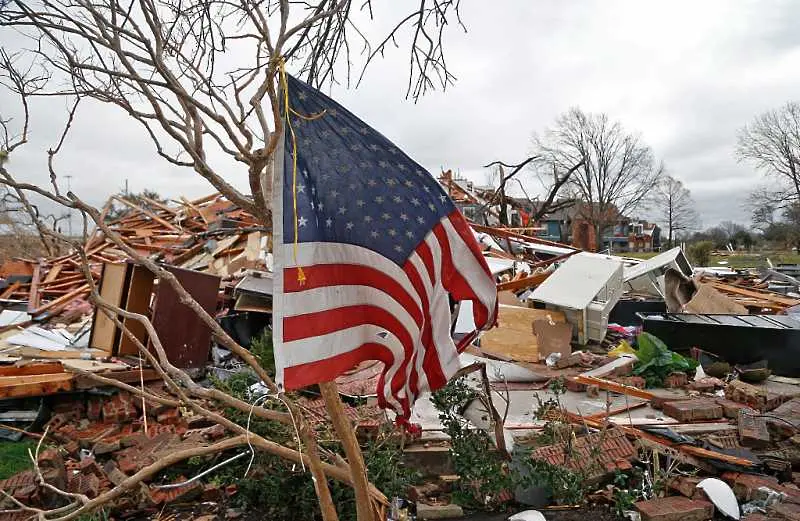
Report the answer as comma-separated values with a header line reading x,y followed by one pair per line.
x,y
685,74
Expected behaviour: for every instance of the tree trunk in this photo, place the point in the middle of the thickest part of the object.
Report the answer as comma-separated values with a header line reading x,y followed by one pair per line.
x,y
353,452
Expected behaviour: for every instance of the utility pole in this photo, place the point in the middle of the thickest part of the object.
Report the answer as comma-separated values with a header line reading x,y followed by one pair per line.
x,y
69,219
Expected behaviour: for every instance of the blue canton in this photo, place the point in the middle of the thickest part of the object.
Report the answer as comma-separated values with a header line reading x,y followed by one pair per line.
x,y
354,186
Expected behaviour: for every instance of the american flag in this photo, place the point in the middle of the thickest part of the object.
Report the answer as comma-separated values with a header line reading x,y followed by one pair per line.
x,y
381,246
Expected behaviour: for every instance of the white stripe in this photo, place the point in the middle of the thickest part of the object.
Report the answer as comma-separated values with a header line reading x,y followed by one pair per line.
x,y
311,253
441,317
469,268
278,258
334,297
419,266
306,350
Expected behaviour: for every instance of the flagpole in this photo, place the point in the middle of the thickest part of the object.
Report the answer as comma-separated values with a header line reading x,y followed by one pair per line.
x,y
346,433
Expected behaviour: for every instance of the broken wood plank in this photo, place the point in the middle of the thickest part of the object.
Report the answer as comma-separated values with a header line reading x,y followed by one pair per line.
x,y
52,273
128,377
608,385
35,385
513,338
64,299
33,295
148,213
32,369
526,282
10,290
761,295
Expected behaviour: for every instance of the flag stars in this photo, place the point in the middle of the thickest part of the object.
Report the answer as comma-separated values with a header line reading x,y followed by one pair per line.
x,y
379,199
328,222
401,166
421,220
364,131
367,218
415,201
393,151
391,181
426,188
301,189
392,232
383,164
409,183
334,193
333,112
385,216
344,130
397,199
410,234
432,207
302,96
349,225
374,147
443,198
404,217
360,203
302,221
321,206
374,234
355,148
372,183
342,210
398,248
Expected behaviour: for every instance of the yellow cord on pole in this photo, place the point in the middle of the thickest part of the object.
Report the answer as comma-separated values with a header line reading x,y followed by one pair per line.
x,y
301,276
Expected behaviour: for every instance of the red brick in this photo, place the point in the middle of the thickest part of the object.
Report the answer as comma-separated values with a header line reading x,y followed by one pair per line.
x,y
730,409
106,447
51,464
162,496
86,484
687,486
120,408
632,381
758,398
614,453
755,516
705,385
675,380
573,385
745,486
169,416
693,410
788,412
657,402
675,509
94,408
788,511
753,430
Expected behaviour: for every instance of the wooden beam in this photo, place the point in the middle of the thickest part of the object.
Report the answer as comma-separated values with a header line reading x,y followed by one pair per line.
x,y
761,295
33,295
530,280
77,292
52,273
34,385
32,369
607,385
10,290
148,213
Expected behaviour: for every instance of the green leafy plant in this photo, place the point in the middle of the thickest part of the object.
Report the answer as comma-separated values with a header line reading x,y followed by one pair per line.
x,y
484,474
656,361
566,487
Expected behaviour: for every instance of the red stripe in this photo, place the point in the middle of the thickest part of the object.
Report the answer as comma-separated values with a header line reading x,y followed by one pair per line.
x,y
431,366
326,370
323,275
425,254
454,282
320,323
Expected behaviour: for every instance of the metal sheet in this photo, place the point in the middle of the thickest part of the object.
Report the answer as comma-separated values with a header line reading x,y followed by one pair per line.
x,y
578,281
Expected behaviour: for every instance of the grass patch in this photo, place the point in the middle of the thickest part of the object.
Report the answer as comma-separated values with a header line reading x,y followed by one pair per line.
x,y
14,457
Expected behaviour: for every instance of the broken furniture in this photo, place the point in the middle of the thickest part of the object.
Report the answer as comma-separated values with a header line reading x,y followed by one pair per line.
x,y
648,277
585,288
186,339
738,339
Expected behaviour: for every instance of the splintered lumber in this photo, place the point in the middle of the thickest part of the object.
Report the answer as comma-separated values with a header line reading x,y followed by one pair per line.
x,y
506,234
148,213
33,298
513,338
64,299
34,385
32,369
525,282
52,273
780,300
10,290
608,385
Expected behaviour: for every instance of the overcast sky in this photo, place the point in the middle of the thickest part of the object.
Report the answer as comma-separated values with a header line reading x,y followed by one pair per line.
x,y
685,74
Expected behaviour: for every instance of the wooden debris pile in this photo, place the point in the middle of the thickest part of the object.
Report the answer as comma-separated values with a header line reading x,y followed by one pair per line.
x,y
210,234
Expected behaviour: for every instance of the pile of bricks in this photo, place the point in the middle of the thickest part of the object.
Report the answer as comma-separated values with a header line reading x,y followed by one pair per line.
x,y
103,442
596,454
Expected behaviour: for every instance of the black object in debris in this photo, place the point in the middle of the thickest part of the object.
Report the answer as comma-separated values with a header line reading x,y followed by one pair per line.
x,y
244,327
737,339
624,312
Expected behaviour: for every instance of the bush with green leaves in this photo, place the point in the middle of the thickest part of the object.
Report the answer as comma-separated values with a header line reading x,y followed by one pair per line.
x,y
656,361
700,253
